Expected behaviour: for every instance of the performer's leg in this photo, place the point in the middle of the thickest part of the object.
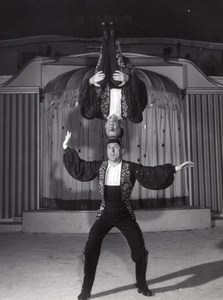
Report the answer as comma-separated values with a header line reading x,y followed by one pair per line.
x,y
92,251
116,58
103,64
133,234
110,57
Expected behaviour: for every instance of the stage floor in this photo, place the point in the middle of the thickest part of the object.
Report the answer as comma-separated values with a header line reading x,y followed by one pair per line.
x,y
182,265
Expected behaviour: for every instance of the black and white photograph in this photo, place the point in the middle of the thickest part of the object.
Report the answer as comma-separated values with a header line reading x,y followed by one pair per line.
x,y
111,149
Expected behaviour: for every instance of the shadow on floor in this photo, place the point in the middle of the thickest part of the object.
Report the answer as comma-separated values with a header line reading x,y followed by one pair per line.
x,y
198,275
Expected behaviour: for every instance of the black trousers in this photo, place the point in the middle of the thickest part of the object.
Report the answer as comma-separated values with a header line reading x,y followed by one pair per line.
x,y
110,60
115,215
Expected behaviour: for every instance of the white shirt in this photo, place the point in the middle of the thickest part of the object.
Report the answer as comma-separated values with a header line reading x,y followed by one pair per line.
x,y
113,174
115,102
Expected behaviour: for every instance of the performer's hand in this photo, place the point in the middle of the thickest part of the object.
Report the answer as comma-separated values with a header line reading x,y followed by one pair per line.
x,y
184,165
120,76
66,140
97,78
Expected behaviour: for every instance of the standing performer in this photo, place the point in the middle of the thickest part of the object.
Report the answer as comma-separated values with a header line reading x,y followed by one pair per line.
x,y
116,181
114,88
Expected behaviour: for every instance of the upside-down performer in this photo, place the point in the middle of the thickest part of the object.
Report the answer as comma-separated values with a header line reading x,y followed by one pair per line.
x,y
114,88
116,178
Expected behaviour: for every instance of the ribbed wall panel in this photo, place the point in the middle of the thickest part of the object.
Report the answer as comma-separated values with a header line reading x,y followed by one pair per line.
x,y
19,152
205,148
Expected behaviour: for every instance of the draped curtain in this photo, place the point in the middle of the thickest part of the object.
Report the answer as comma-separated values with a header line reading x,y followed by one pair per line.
x,y
159,139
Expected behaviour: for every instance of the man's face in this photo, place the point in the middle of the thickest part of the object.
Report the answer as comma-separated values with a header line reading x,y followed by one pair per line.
x,y
114,152
112,126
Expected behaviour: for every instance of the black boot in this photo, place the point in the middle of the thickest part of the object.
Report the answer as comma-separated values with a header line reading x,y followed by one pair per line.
x,y
145,291
104,30
113,30
84,296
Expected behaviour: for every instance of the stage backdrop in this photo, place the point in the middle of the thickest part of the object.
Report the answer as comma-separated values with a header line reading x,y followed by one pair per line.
x,y
159,139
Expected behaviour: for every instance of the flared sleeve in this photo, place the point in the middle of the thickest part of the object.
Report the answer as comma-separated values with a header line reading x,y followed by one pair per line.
x,y
155,178
78,168
136,98
88,101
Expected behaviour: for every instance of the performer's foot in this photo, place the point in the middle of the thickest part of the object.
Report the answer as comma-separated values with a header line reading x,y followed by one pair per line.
x,y
112,29
145,291
84,296
104,30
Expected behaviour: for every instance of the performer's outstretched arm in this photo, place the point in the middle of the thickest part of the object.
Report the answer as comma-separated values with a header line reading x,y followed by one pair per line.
x,y
159,177
78,168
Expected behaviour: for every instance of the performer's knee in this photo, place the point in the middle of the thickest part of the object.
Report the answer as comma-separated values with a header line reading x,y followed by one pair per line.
x,y
140,255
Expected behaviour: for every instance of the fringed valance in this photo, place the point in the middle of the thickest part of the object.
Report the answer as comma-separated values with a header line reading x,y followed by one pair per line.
x,y
161,90
64,89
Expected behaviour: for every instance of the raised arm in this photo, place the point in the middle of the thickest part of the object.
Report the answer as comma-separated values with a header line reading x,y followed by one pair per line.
x,y
78,168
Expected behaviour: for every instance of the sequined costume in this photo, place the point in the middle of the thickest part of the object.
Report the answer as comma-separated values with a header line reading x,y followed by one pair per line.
x,y
116,209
